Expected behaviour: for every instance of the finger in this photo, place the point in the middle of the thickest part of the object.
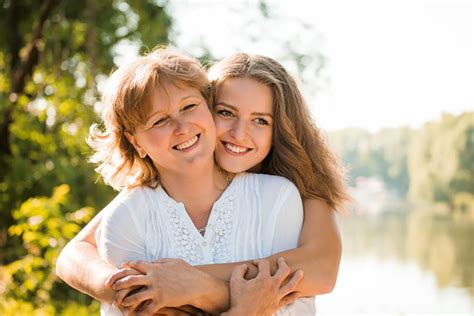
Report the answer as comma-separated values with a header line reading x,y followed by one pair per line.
x,y
119,275
137,298
169,260
169,311
140,265
283,270
263,267
131,281
148,309
127,311
288,299
189,309
120,295
292,283
238,272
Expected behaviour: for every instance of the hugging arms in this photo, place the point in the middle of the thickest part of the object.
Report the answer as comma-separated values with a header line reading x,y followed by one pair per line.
x,y
261,124
317,256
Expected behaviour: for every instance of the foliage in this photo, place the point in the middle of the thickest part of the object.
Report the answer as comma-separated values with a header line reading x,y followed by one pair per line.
x,y
45,120
44,225
441,160
54,57
432,164
382,154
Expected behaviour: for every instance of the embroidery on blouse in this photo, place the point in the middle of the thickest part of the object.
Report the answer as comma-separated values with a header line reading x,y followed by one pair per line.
x,y
223,229
187,247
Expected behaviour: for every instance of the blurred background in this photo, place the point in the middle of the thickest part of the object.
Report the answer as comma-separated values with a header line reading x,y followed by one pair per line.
x,y
391,83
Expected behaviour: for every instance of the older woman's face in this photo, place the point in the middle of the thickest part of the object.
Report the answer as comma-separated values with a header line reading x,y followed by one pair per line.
x,y
243,114
179,132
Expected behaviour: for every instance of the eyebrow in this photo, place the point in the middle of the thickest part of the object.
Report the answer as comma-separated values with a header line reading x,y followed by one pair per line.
x,y
237,109
157,112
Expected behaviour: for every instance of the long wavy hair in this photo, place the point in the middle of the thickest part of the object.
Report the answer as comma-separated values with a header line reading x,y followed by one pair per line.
x,y
299,151
127,102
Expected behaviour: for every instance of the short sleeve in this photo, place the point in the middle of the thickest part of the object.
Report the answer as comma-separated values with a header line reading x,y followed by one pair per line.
x,y
289,220
121,234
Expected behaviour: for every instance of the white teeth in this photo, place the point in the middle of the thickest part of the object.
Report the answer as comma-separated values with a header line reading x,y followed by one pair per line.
x,y
188,143
235,149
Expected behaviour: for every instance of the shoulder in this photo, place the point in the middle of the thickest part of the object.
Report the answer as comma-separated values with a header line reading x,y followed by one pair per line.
x,y
129,203
265,183
273,190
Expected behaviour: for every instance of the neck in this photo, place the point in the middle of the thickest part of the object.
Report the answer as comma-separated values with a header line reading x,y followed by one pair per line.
x,y
197,189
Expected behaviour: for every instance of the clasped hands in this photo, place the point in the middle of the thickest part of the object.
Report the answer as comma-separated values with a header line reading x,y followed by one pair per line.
x,y
173,287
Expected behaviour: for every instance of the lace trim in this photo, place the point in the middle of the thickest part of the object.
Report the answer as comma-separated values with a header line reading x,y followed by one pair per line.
x,y
223,229
190,249
187,247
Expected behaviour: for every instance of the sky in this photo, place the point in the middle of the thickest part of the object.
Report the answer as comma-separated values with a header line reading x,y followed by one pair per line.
x,y
388,62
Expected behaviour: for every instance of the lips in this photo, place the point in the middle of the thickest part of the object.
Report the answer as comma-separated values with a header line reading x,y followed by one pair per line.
x,y
187,144
235,149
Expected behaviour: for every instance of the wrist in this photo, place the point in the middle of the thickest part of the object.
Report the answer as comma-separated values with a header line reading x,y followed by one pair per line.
x,y
215,298
237,311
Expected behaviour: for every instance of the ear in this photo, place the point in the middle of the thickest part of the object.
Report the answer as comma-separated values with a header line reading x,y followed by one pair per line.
x,y
135,144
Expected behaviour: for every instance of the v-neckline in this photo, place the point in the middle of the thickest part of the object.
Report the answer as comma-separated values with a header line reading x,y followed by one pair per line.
x,y
213,216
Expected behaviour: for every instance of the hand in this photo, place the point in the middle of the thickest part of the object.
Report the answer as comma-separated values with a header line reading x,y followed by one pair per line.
x,y
168,282
122,274
264,294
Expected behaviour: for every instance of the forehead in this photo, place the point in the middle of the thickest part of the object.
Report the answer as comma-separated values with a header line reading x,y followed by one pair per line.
x,y
166,94
246,93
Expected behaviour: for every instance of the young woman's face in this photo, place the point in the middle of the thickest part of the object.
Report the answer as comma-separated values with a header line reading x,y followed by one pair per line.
x,y
179,132
243,114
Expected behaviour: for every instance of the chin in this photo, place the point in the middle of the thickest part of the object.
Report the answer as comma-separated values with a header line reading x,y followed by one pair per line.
x,y
231,167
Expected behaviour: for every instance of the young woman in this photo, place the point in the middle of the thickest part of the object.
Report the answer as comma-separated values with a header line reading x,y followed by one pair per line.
x,y
262,124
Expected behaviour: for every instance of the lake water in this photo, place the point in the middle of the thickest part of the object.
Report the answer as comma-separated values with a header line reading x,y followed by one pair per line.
x,y
404,264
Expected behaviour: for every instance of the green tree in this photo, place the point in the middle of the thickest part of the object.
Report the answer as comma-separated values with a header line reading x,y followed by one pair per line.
x,y
382,154
440,162
54,54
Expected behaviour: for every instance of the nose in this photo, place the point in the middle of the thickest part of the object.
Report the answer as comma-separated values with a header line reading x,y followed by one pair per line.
x,y
239,130
181,126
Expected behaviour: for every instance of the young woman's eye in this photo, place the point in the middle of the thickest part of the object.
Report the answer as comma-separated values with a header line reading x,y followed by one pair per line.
x,y
189,107
225,113
261,121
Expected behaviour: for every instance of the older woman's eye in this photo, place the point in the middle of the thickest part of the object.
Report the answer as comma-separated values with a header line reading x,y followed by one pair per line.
x,y
189,107
225,113
160,121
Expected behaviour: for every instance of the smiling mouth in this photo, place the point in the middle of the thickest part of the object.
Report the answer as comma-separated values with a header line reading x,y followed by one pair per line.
x,y
187,144
235,149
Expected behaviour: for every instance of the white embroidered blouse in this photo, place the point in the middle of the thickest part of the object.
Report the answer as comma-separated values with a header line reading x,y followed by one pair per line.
x,y
256,216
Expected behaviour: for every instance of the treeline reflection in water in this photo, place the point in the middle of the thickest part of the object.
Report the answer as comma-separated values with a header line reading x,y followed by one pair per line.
x,y
404,263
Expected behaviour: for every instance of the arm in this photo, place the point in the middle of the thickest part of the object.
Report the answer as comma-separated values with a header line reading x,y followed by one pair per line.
x,y
318,253
81,267
172,283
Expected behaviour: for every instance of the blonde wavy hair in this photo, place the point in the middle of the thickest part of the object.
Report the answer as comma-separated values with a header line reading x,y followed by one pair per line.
x,y
299,152
127,102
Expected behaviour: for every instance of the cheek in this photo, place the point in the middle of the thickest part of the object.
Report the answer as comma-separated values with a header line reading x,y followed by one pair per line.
x,y
156,138
222,126
265,140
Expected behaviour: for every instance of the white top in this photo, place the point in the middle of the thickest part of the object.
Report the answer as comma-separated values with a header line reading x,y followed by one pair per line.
x,y
256,216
